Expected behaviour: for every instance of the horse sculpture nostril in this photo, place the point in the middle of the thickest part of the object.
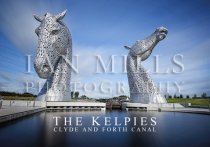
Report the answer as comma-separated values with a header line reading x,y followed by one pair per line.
x,y
162,30
45,67
166,31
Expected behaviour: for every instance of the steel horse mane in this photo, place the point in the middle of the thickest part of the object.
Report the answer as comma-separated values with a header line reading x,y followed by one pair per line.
x,y
54,52
142,89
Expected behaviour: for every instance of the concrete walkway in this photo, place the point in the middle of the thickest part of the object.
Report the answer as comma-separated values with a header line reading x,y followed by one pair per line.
x,y
188,110
12,109
8,113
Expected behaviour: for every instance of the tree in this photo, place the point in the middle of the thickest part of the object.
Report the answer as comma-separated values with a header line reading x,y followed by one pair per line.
x,y
122,97
72,94
175,96
187,96
181,96
204,95
76,94
195,96
83,97
169,96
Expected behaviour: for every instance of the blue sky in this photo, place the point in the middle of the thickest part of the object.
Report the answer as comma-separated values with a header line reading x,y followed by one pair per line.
x,y
103,27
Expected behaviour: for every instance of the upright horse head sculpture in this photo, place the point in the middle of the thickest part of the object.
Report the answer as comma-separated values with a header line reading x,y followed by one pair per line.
x,y
54,53
142,89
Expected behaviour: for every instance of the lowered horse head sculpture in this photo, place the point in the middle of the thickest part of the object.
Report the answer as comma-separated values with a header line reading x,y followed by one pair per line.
x,y
142,89
54,53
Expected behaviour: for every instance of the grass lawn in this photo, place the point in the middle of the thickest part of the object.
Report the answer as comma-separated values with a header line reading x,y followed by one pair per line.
x,y
200,101
18,98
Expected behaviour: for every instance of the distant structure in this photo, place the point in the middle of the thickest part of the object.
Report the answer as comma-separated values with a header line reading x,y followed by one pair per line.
x,y
53,57
142,89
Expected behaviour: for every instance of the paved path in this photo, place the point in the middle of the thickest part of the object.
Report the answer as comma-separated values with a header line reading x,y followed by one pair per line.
x,y
188,110
6,110
8,113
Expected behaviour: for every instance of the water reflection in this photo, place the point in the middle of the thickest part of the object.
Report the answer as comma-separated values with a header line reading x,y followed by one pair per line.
x,y
172,129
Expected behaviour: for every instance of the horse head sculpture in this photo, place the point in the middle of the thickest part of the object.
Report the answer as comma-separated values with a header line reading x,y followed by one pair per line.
x,y
54,51
142,89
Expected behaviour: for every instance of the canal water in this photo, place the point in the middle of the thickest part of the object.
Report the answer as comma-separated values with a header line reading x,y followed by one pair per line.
x,y
110,128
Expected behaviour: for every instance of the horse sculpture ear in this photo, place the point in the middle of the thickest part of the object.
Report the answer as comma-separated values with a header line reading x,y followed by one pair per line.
x,y
38,18
127,47
60,16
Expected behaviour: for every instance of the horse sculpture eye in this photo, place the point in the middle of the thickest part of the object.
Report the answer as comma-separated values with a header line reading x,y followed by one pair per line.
x,y
54,32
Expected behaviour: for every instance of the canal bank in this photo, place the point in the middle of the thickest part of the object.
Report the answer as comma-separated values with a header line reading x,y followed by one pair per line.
x,y
13,109
7,114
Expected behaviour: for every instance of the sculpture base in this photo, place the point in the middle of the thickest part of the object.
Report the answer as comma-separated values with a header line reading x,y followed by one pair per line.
x,y
75,106
146,98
